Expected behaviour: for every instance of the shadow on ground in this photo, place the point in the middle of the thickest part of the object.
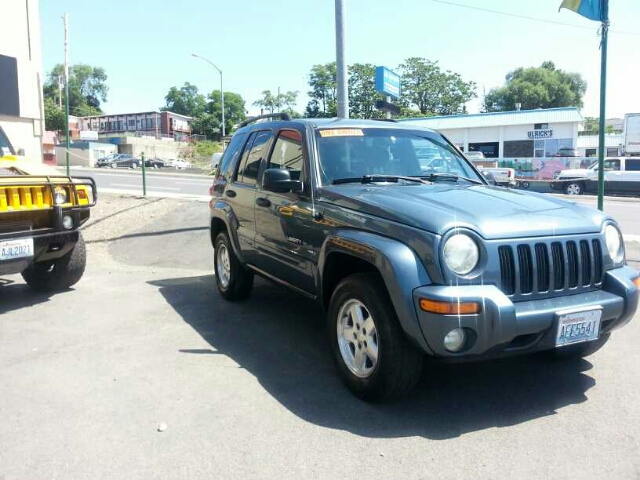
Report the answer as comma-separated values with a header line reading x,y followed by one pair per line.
x,y
280,339
14,296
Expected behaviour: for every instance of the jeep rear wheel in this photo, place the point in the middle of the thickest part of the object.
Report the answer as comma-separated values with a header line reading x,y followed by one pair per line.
x,y
370,350
59,274
574,188
233,280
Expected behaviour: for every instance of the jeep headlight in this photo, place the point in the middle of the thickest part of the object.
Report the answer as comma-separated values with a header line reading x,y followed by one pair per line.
x,y
461,254
613,239
60,196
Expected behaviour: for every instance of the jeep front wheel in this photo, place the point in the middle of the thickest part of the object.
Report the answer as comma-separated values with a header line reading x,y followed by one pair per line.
x,y
59,274
574,188
233,280
371,352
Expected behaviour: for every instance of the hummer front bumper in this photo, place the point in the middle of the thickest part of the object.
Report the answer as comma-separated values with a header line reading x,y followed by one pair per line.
x,y
502,327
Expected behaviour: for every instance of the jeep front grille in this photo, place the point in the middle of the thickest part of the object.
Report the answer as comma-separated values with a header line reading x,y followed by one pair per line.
x,y
550,267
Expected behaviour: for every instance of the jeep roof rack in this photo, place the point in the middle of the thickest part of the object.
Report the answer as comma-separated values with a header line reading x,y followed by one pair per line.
x,y
279,116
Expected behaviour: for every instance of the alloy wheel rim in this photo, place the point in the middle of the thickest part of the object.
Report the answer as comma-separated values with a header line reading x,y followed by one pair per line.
x,y
357,338
573,189
223,266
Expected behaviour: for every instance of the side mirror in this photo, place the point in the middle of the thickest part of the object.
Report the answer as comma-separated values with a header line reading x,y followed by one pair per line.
x,y
279,180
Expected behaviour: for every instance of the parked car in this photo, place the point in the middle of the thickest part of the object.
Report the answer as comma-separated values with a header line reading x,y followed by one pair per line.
x,y
621,175
215,160
503,177
119,160
154,163
181,164
41,212
567,152
408,264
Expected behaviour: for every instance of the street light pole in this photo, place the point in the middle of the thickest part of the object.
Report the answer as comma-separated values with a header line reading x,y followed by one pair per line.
x,y
221,90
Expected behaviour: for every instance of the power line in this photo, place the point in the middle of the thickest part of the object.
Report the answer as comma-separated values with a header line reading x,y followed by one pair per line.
x,y
526,17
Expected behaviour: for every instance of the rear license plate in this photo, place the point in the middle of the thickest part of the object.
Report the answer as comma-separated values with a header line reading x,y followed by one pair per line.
x,y
14,249
577,327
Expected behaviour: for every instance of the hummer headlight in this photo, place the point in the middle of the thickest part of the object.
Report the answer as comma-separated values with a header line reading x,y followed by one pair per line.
x,y
461,254
613,240
60,196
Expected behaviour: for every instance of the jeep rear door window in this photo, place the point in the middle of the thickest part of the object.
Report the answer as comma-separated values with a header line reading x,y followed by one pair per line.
x,y
251,163
633,165
354,152
287,153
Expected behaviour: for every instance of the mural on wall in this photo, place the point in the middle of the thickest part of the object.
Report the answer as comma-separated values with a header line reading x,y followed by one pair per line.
x,y
542,168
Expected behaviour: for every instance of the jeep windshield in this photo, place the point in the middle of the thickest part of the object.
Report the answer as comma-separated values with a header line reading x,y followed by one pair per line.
x,y
391,155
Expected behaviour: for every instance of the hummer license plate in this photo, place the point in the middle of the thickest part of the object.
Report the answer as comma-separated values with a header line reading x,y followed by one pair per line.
x,y
577,327
14,249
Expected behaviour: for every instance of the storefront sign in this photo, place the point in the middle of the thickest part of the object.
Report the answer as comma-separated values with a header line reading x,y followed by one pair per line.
x,y
539,134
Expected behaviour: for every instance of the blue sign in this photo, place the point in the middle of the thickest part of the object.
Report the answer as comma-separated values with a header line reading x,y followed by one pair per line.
x,y
387,82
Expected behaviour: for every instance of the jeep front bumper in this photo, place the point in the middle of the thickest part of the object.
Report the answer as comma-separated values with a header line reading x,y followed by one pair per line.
x,y
503,327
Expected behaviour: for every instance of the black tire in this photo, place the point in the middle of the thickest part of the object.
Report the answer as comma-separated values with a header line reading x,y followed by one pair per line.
x,y
399,363
574,188
134,165
525,185
60,274
580,350
240,281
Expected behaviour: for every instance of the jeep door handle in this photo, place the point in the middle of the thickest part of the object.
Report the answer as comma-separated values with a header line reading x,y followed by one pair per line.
x,y
230,193
263,202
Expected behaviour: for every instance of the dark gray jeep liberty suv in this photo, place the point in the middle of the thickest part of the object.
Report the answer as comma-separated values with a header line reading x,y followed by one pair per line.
x,y
411,257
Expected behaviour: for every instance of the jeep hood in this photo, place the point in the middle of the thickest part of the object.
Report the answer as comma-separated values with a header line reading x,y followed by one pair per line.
x,y
494,213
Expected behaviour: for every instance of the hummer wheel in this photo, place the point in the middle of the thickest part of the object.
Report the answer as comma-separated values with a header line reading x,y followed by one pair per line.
x,y
59,274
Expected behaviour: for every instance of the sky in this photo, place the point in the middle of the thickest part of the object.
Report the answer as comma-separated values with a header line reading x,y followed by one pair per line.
x,y
145,46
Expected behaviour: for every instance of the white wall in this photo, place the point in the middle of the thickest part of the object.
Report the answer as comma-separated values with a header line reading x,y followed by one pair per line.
x,y
21,40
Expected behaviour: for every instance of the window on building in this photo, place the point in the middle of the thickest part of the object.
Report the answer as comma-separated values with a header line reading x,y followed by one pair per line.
x,y
132,122
518,148
540,126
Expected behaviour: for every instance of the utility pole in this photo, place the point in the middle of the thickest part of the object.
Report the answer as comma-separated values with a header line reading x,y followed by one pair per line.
x,y
341,62
603,97
221,90
60,92
66,88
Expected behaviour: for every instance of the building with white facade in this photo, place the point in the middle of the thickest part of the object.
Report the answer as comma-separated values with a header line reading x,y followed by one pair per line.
x,y
527,133
21,107
157,124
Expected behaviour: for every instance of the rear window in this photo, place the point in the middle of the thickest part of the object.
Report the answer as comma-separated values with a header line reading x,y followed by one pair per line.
x,y
231,154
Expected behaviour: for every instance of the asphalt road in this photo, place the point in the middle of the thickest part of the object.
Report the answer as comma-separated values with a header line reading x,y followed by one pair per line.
x,y
159,184
247,390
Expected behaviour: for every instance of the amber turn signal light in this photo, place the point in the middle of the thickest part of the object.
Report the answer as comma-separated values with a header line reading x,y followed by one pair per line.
x,y
449,308
636,282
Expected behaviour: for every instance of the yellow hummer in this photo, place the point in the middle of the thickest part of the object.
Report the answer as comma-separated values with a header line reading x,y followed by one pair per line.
x,y
40,213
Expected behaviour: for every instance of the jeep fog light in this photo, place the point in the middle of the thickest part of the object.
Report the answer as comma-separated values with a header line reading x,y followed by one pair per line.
x,y
461,254
455,340
67,222
59,196
613,239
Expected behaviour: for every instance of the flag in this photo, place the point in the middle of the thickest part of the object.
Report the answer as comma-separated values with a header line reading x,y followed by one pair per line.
x,y
591,9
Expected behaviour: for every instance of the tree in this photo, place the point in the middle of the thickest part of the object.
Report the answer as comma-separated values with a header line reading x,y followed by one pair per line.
x,y
542,87
592,126
433,92
362,92
268,101
323,93
185,100
282,102
54,116
87,88
234,113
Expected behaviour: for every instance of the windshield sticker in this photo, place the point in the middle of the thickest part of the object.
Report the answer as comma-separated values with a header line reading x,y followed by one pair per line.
x,y
342,132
